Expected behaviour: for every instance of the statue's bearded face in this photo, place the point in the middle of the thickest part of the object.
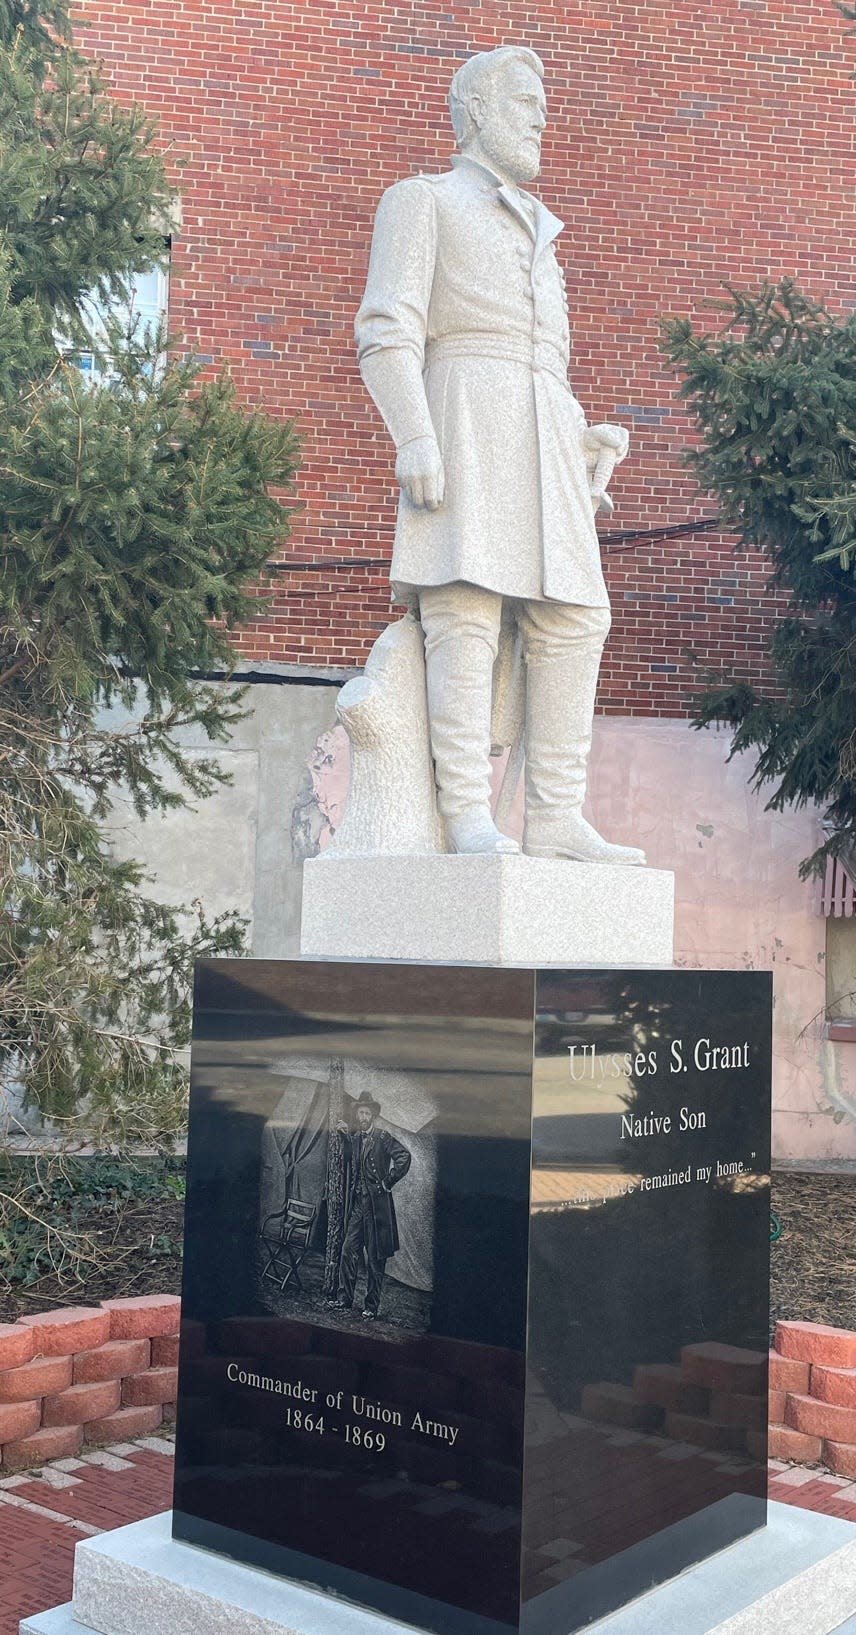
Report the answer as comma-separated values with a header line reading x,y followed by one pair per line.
x,y
511,113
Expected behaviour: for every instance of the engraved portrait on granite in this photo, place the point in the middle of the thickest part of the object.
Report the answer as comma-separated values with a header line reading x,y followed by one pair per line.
x,y
346,1199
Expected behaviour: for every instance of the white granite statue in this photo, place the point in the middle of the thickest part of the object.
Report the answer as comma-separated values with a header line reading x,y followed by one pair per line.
x,y
463,344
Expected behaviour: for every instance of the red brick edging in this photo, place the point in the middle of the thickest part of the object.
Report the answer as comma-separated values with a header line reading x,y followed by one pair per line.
x,y
92,1374
713,1397
109,1373
813,1396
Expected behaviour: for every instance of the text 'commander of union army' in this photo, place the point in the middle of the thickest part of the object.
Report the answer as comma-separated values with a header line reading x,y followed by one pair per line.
x,y
464,346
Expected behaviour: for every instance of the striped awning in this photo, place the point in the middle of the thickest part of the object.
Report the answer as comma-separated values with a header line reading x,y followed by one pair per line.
x,y
838,890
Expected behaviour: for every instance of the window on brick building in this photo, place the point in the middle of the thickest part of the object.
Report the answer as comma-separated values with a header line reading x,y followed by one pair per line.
x,y
145,310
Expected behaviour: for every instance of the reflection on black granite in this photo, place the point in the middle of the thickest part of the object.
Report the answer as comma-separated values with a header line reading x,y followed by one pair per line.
x,y
379,1457
648,1316
419,1461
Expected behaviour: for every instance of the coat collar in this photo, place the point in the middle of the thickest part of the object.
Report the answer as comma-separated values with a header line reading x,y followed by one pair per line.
x,y
541,224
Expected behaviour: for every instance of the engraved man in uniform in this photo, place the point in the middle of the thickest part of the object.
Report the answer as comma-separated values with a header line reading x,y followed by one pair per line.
x,y
374,1163
463,344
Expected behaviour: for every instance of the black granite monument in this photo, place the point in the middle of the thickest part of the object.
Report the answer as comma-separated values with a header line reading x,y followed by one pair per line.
x,y
475,1308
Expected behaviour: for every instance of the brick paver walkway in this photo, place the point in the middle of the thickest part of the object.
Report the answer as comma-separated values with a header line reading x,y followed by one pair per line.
x,y
813,1490
43,1515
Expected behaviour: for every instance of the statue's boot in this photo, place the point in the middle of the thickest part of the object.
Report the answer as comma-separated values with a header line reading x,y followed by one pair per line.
x,y
459,676
475,831
561,682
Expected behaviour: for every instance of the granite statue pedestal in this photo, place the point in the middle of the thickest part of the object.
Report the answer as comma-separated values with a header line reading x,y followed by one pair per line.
x,y
565,1198
492,910
561,1399
797,1577
556,1420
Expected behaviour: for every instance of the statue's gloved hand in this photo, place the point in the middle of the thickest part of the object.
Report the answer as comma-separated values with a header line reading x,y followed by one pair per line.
x,y
604,447
419,470
606,436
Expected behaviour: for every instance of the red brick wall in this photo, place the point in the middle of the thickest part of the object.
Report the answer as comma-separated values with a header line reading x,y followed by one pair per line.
x,y
689,143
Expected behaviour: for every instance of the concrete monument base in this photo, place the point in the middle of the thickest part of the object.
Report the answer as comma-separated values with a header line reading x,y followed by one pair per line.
x,y
797,1576
486,910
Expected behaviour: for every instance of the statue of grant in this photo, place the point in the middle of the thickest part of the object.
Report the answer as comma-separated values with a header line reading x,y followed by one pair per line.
x,y
463,344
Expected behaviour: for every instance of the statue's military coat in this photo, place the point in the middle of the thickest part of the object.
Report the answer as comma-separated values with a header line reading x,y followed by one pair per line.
x,y
463,275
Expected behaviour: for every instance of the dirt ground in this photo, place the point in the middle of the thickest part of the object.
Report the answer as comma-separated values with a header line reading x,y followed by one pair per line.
x,y
139,1253
813,1261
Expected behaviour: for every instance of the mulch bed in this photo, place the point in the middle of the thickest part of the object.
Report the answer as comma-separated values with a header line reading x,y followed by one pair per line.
x,y
143,1242
813,1261
813,1275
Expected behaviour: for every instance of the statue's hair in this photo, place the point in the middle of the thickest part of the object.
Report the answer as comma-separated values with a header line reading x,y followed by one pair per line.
x,y
477,71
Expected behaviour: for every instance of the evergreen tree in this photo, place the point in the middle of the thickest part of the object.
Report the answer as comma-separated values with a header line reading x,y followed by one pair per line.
x,y
774,394
136,512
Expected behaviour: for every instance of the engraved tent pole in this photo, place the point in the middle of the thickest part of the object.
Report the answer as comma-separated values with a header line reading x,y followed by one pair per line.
x,y
335,1185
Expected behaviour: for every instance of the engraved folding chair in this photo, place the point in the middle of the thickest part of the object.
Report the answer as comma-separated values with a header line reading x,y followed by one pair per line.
x,y
285,1235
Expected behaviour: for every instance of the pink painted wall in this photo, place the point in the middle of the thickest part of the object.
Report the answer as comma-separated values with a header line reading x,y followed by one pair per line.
x,y
739,903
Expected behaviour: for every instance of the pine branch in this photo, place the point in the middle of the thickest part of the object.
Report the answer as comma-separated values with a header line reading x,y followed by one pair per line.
x,y
773,392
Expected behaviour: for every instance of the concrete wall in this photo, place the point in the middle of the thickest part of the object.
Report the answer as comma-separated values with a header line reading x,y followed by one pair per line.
x,y
243,847
740,902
